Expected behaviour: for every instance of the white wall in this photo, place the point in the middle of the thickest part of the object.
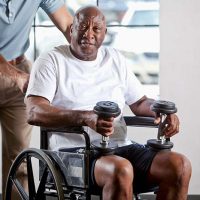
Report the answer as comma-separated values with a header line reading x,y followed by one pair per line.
x,y
180,74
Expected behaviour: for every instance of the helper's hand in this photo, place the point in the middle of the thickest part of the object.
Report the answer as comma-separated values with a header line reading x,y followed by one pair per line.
x,y
170,125
103,126
8,71
22,80
6,68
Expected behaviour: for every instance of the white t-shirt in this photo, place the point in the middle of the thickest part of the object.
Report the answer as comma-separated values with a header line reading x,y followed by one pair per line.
x,y
71,83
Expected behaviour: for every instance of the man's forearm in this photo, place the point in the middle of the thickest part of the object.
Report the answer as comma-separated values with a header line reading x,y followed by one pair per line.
x,y
50,116
142,107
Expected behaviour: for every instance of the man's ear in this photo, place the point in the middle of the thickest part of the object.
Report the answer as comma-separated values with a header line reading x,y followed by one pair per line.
x,y
71,27
106,30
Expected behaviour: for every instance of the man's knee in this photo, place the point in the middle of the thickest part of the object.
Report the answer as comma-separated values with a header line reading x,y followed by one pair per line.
x,y
123,172
173,167
114,170
122,175
180,168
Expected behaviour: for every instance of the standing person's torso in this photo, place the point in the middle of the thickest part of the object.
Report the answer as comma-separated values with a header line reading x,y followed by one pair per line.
x,y
16,17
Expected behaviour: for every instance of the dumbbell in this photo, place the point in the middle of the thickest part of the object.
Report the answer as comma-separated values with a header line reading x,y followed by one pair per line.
x,y
106,109
163,108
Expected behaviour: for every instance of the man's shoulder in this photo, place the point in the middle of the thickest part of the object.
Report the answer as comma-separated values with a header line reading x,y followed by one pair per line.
x,y
55,54
61,50
110,51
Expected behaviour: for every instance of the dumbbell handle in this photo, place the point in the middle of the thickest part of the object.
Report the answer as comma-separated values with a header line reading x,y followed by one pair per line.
x,y
106,109
163,108
104,139
160,134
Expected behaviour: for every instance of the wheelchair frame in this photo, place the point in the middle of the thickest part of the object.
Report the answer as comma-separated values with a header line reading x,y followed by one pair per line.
x,y
52,164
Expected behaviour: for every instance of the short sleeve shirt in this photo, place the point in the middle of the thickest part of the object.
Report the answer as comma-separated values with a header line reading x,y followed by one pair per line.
x,y
74,84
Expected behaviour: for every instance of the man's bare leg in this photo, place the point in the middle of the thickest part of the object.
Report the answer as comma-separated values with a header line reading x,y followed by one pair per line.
x,y
172,171
115,175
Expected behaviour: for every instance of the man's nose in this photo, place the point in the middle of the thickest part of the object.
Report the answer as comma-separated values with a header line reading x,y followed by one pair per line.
x,y
89,33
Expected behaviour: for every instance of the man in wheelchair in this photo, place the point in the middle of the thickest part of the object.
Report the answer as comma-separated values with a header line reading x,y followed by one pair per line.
x,y
65,85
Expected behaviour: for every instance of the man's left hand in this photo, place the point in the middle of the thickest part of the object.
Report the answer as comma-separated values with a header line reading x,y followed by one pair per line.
x,y
170,125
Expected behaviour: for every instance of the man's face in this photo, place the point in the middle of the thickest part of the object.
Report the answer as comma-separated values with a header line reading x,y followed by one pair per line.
x,y
87,33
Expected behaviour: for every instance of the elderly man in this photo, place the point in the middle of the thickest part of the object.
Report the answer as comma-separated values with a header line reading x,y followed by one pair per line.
x,y
65,85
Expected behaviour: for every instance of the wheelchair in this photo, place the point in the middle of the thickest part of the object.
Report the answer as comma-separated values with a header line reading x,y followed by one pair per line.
x,y
62,180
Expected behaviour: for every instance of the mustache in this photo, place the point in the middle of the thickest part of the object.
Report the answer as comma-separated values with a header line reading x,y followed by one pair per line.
x,y
85,41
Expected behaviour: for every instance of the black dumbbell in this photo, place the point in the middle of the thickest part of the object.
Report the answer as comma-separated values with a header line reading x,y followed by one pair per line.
x,y
163,108
106,109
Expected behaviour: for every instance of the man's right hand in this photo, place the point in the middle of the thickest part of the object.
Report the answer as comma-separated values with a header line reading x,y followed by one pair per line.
x,y
103,126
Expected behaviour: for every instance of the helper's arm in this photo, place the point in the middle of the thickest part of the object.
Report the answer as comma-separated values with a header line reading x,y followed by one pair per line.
x,y
62,19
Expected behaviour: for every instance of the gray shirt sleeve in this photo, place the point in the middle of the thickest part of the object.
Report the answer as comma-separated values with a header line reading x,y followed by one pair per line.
x,y
50,6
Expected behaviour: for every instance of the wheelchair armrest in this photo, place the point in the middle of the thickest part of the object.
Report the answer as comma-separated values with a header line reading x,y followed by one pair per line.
x,y
77,130
140,121
130,121
73,129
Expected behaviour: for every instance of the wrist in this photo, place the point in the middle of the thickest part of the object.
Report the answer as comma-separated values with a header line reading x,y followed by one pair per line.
x,y
90,119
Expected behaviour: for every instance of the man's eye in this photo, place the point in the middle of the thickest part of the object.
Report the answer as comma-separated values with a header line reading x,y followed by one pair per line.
x,y
97,29
82,27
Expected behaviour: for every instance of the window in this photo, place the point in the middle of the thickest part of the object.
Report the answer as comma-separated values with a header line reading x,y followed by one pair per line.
x,y
145,18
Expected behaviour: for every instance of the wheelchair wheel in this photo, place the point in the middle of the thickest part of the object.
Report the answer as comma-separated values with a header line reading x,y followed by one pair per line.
x,y
37,183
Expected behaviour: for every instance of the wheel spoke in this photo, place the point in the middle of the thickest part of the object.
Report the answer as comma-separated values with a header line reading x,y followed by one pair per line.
x,y
20,189
31,182
37,191
41,187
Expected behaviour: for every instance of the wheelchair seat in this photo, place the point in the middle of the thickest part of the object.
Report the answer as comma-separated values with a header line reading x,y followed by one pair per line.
x,y
62,180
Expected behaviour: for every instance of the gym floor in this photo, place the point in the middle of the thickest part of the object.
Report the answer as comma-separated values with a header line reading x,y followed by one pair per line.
x,y
145,197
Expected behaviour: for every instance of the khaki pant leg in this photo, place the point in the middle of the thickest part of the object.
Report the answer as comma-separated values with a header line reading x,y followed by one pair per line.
x,y
16,133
